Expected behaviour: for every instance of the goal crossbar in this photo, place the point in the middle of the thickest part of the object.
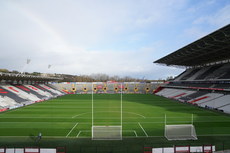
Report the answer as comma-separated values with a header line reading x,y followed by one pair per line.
x,y
106,132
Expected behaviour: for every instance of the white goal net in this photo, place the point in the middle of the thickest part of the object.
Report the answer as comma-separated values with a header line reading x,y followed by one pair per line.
x,y
106,132
180,132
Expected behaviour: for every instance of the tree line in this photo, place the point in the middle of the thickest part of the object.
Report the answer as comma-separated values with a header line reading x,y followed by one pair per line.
x,y
99,77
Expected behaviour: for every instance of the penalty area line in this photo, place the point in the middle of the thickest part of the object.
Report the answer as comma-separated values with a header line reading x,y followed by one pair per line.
x,y
71,130
78,134
79,114
143,129
135,133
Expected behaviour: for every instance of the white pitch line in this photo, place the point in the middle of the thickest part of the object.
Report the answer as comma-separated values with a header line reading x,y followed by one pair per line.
x,y
135,132
110,112
71,130
79,115
143,129
135,114
78,134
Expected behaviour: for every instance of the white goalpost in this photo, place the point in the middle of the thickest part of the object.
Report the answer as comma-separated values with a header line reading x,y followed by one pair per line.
x,y
106,132
180,131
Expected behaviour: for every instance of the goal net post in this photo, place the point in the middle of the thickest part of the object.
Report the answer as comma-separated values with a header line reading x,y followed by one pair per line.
x,y
180,131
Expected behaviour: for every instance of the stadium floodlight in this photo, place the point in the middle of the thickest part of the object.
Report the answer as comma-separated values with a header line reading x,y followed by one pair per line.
x,y
106,132
180,131
24,67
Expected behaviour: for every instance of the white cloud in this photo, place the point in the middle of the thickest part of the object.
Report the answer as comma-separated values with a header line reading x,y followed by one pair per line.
x,y
206,23
222,17
219,18
195,32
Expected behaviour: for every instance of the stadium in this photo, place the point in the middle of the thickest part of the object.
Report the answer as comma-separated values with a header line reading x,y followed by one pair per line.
x,y
187,114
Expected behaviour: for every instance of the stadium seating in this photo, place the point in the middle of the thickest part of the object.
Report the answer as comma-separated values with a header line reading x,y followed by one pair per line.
x,y
198,73
3,102
132,87
209,96
39,91
208,71
25,89
164,92
193,96
218,73
20,93
225,108
52,89
193,72
217,102
13,96
205,86
215,72
177,93
45,90
225,76
8,102
182,74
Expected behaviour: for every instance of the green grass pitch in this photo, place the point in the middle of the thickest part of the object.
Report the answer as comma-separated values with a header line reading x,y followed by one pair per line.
x,y
67,121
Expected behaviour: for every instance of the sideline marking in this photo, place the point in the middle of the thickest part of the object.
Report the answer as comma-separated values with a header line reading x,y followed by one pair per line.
x,y
86,137
78,134
71,130
143,129
135,114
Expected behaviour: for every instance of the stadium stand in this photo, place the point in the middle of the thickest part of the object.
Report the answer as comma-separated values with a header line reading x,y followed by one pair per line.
x,y
21,93
46,90
207,71
225,108
39,91
106,87
206,80
30,91
209,96
12,96
6,102
194,71
219,102
193,96
17,90
52,89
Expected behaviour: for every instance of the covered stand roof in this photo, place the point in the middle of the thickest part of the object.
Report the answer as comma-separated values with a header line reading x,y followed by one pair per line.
x,y
12,76
212,48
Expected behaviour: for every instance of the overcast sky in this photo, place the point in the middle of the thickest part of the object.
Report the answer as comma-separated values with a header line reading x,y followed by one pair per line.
x,y
116,37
